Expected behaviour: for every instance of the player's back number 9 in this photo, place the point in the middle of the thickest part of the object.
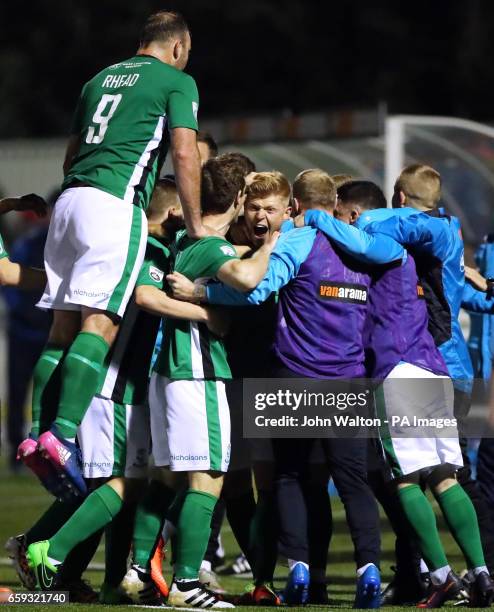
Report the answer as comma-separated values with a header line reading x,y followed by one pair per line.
x,y
104,112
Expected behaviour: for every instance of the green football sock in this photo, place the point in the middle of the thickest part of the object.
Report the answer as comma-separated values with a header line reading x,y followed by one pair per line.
x,y
460,515
150,516
193,530
51,521
421,516
81,371
264,538
46,387
118,539
97,511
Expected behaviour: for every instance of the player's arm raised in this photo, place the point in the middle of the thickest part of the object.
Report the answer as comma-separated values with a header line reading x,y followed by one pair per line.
x,y
246,274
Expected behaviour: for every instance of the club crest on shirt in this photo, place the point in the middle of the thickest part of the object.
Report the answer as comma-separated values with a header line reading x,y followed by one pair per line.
x,y
343,292
156,274
228,250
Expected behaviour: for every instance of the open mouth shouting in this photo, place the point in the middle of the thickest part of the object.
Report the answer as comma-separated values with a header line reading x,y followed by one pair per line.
x,y
260,230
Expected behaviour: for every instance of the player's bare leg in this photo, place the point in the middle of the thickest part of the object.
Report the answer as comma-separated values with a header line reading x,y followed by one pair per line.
x,y
103,324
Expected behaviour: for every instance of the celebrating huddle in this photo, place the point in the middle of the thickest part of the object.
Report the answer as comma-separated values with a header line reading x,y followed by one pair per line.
x,y
166,293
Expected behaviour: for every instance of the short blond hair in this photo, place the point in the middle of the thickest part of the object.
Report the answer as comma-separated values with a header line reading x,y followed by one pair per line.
x,y
261,185
421,185
313,188
341,179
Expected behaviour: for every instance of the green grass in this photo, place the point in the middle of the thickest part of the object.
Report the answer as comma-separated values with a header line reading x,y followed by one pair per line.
x,y
22,501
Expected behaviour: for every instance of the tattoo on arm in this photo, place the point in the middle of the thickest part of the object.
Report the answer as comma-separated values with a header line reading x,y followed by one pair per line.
x,y
200,292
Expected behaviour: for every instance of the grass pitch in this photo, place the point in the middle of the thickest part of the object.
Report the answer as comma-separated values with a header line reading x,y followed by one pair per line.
x,y
22,501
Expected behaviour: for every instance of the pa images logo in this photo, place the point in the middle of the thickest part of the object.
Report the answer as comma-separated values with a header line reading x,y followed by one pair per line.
x,y
156,274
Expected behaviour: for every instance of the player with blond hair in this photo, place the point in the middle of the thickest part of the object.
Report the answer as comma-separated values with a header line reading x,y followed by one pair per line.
x,y
341,179
322,345
434,239
418,186
187,390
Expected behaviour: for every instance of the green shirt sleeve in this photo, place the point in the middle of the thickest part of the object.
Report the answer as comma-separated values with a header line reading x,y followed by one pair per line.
x,y
155,267
183,104
3,251
213,253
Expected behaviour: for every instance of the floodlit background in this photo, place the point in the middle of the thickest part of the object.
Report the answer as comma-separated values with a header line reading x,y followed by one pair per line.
x,y
292,84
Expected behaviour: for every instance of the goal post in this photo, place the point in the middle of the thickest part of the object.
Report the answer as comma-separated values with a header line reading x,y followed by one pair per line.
x,y
461,150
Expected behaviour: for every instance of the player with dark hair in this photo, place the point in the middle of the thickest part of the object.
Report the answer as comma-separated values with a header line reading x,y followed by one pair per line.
x,y
410,353
323,345
207,145
126,117
115,437
187,391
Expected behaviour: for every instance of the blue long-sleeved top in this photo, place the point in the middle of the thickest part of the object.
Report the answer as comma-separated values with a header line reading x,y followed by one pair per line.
x,y
396,328
477,301
369,248
27,322
293,248
436,243
481,340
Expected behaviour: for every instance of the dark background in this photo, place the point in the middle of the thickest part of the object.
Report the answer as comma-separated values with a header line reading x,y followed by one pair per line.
x,y
255,56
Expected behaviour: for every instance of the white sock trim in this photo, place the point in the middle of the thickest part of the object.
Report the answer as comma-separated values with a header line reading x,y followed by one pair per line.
x,y
54,561
440,575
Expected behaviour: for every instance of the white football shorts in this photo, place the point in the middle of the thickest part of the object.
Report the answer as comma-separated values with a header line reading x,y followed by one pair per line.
x,y
94,251
401,400
115,439
190,424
